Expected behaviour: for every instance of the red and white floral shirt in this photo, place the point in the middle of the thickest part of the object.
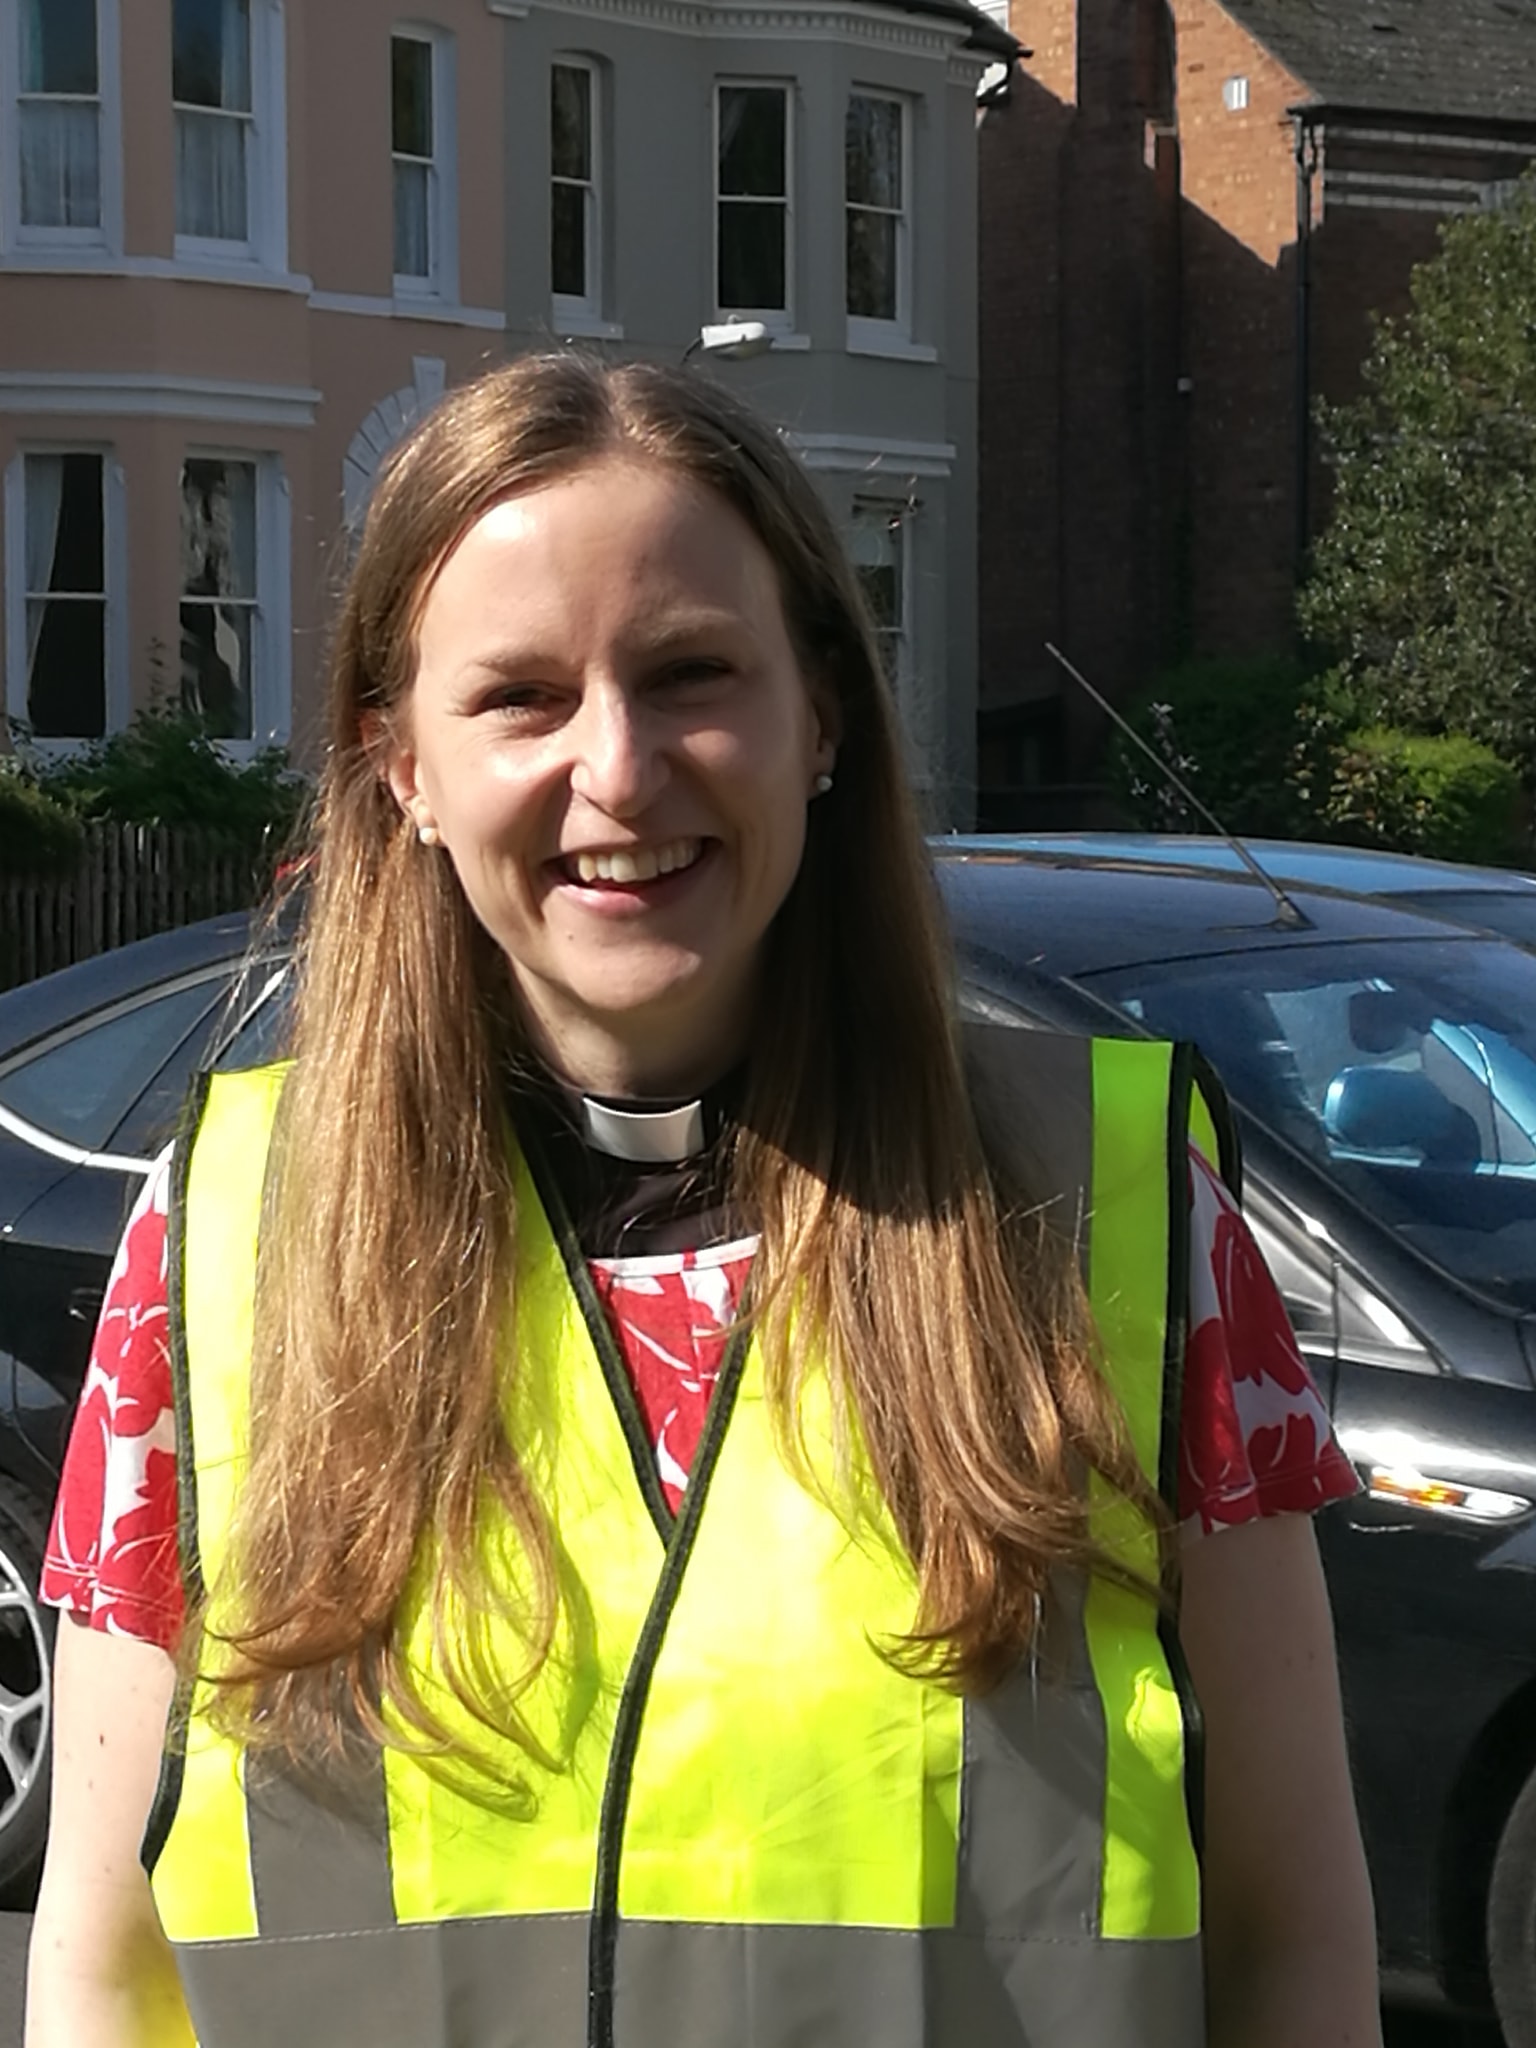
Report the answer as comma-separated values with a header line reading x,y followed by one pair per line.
x,y
1255,1434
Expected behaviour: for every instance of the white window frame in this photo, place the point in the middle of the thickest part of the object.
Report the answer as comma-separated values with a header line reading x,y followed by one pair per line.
x,y
442,279
114,569
265,247
570,310
780,318
272,626
107,236
864,330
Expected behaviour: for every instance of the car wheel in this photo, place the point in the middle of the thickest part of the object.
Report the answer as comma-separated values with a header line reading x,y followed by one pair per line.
x,y
1512,1923
26,1690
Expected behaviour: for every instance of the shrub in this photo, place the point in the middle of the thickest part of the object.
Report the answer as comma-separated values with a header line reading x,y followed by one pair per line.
x,y
164,769
37,836
1446,795
1228,728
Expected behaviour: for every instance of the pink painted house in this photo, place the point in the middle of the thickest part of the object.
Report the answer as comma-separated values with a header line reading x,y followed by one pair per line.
x,y
232,263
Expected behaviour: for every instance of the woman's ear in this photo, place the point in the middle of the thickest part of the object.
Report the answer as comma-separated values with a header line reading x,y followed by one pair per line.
x,y
827,725
395,766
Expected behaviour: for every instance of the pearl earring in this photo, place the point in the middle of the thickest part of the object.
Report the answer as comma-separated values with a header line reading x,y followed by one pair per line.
x,y
822,784
428,835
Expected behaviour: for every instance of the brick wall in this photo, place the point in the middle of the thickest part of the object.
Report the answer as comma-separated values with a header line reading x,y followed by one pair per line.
x,y
1239,323
1141,415
1077,340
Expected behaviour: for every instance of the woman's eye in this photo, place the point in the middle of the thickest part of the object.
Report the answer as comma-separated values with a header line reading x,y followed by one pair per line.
x,y
703,670
521,699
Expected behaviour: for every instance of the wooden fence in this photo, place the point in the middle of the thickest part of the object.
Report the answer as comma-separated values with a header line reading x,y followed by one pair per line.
x,y
129,882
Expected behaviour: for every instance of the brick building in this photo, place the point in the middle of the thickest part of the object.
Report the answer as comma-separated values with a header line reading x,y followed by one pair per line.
x,y
1190,212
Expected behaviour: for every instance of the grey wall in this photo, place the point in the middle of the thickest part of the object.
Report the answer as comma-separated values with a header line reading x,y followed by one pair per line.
x,y
914,414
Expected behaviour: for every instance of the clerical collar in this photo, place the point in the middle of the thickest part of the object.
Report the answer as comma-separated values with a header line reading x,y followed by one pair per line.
x,y
644,1137
640,1131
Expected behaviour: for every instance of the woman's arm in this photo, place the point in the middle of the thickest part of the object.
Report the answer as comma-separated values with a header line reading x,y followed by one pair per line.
x,y
1289,1927
100,1973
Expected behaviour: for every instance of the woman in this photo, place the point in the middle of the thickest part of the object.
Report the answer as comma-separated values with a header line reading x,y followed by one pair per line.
x,y
670,1538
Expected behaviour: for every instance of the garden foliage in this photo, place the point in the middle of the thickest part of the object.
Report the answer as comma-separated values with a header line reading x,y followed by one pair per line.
x,y
1424,586
162,769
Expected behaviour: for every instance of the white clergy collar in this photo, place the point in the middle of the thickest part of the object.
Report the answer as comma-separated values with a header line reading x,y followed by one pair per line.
x,y
644,1137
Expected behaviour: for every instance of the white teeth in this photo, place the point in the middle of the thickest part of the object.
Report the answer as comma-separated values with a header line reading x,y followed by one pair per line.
x,y
637,863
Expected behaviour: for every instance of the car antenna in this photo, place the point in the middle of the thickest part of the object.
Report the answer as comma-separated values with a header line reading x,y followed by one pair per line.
x,y
1287,912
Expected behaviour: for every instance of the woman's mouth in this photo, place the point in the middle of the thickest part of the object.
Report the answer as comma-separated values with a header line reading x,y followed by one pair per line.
x,y
624,867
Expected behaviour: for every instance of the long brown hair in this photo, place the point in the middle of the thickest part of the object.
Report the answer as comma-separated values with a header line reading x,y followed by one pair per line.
x,y
950,1326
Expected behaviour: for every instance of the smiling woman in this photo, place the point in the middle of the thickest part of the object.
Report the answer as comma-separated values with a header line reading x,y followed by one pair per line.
x,y
610,735
678,1447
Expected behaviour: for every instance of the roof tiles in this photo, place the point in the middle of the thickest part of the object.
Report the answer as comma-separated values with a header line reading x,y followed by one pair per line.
x,y
1464,58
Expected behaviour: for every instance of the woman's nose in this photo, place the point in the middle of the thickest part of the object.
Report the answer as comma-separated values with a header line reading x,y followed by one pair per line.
x,y
617,765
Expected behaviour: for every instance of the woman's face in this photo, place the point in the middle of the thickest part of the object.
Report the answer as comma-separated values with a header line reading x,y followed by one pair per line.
x,y
611,734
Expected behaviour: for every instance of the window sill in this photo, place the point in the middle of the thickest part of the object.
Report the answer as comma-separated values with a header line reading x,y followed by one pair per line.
x,y
411,306
204,263
575,322
59,261
873,338
60,245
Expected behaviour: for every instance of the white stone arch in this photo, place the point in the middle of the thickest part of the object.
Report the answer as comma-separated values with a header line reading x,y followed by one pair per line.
x,y
389,420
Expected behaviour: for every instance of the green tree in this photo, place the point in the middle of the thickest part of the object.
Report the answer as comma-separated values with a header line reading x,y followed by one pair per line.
x,y
1424,584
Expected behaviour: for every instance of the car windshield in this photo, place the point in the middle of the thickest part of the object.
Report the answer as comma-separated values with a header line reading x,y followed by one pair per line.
x,y
1406,1070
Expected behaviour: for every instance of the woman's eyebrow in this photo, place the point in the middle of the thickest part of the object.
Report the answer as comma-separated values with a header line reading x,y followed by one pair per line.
x,y
677,629
674,628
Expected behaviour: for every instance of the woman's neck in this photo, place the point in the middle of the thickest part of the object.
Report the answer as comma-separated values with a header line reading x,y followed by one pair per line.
x,y
632,1065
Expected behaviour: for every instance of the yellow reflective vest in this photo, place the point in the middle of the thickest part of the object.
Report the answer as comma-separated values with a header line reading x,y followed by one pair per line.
x,y
748,1831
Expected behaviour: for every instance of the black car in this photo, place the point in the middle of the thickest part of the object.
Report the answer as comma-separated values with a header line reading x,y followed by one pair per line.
x,y
1384,1068
95,1063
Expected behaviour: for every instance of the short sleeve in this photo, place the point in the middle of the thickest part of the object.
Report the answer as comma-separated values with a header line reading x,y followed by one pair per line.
x,y
111,1557
1255,1437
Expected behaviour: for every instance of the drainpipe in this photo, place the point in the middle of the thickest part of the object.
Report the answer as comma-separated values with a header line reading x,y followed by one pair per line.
x,y
1307,154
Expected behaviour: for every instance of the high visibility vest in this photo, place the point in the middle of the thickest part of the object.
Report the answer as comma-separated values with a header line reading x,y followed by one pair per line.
x,y
749,1830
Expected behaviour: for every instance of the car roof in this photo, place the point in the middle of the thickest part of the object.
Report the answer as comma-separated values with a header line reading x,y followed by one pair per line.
x,y
39,1007
1063,914
1362,870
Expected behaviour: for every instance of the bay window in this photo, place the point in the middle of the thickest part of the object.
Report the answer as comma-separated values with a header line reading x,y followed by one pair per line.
x,y
875,183
219,609
413,146
752,199
58,579
59,115
574,244
214,108
879,546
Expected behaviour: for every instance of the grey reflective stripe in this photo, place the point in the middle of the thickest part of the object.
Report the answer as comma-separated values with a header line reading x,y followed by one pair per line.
x,y
490,1983
1031,1854
319,1866
1032,1093
522,1984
